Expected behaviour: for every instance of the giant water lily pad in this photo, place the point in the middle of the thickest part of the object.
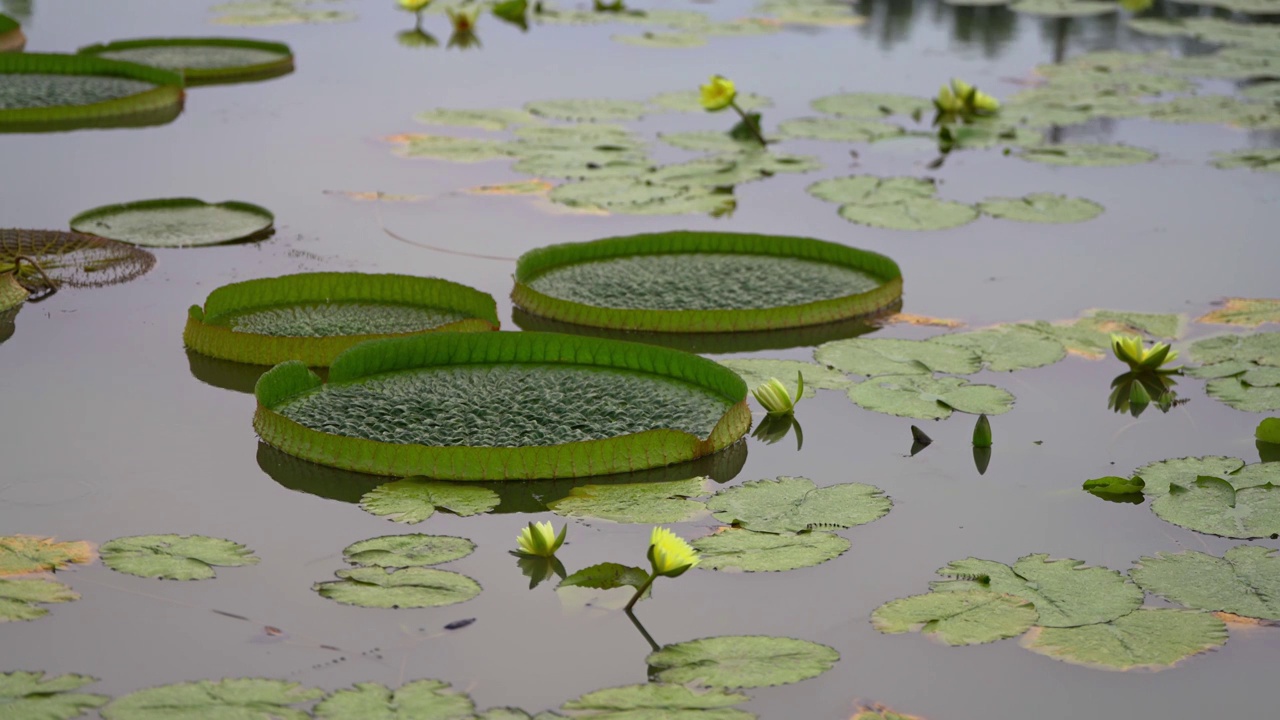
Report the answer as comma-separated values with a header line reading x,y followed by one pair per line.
x,y
418,700
1211,505
413,550
892,356
1245,581
703,282
473,406
1080,154
32,696
1007,349
69,259
742,661
313,317
28,554
239,698
929,398
203,61
796,504
174,557
1042,208
959,617
1147,639
413,587
176,222
47,92
414,499
733,549
20,600
653,503
658,701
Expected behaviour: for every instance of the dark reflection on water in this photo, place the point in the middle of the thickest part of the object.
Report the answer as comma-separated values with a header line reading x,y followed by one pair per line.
x,y
225,374
6,323
148,118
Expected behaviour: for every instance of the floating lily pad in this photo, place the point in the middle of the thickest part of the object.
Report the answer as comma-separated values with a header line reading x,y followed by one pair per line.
x,y
811,13
1086,337
1266,160
203,61
708,141
607,576
1161,325
256,13
959,617
658,700
1256,348
837,129
526,405
892,356
1064,8
1042,208
595,136
1158,476
703,282
929,398
1007,349
613,193
413,500
487,119
652,503
1211,505
42,92
28,554
176,222
239,698
32,696
1215,110
690,101
620,167
413,587
742,661
872,105
413,550
1147,639
1238,393
1097,155
313,317
1065,593
19,600
1245,312
174,557
913,214
1248,7
588,110
750,551
1245,581
880,712
872,190
795,504
1121,489
665,40
452,149
757,371
418,700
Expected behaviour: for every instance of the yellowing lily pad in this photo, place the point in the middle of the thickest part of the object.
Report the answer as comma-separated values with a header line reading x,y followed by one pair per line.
x,y
28,554
1245,312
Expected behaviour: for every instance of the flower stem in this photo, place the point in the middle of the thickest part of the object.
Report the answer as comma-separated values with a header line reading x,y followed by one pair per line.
x,y
751,124
641,591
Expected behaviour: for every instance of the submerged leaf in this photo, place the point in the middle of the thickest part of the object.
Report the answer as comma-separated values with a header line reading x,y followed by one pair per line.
x,y
924,397
652,503
1148,639
958,617
748,551
795,504
174,557
18,600
413,587
1245,581
414,550
26,554
418,700
238,698
31,696
741,661
415,499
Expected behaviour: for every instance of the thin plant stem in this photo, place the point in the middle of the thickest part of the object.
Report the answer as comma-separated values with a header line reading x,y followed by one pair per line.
x,y
751,124
648,638
643,588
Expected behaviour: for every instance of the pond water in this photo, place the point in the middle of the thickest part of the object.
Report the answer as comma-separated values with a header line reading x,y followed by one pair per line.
x,y
111,429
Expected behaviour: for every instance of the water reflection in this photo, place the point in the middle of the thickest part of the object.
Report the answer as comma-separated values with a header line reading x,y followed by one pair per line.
x,y
1133,392
539,569
775,427
225,374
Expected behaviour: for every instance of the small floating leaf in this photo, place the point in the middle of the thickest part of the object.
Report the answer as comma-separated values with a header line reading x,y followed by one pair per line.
x,y
31,696
657,503
418,700
1245,312
1261,159
1245,581
748,551
959,617
1211,505
891,356
1042,208
486,119
1112,486
915,214
239,698
175,222
690,101
1268,431
837,129
795,504
607,576
1099,155
742,661
756,371
918,396
174,557
1064,8
872,105
588,110
662,40
413,587
414,550
1148,639
658,700
872,190
413,500
18,600
1007,349
27,554
452,149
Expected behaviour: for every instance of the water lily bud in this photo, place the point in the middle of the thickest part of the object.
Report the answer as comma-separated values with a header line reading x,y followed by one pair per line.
x,y
540,539
775,399
982,432
669,554
718,93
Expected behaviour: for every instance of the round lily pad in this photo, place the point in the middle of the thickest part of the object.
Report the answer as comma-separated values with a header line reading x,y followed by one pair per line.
x,y
1064,8
650,503
1211,505
33,696
1245,581
42,92
313,317
662,40
589,110
203,61
911,214
412,550
704,282
426,699
742,661
240,698
1042,208
837,129
413,587
176,222
872,105
496,406
658,700
748,551
929,398
691,101
1149,638
796,504
957,617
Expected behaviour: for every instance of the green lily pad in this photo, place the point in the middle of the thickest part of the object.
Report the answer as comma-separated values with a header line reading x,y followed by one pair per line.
x,y
657,503
1112,487
1245,312
757,371
690,101
31,696
1268,431
607,576
749,551
418,700
239,698
1161,325
795,504
173,557
1262,91
485,119
44,92
1238,393
708,141
415,499
176,222
1228,63
913,214
413,587
658,701
452,149
1216,110
1065,593
1095,155
19,598
1258,348
872,190
929,398
891,356
592,165
837,129
741,661
203,61
535,139
1007,349
1042,208
1158,476
663,40
1064,8
1148,639
1211,505
1245,581
29,554
958,617
1084,337
261,13
414,550
1248,7
587,110
872,105
612,193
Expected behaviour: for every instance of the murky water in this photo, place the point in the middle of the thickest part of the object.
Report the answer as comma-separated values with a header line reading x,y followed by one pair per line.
x,y
109,430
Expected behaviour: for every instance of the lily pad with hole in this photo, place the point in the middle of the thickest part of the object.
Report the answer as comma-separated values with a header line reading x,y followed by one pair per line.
x,y
413,550
959,617
1211,505
747,551
796,504
415,499
693,282
872,105
203,60
757,371
1146,639
417,700
1042,208
176,222
741,661
485,119
415,587
652,701
239,698
68,259
690,101
1245,581
174,557
1245,312
911,214
313,317
1092,155
587,110
21,600
28,695
45,92
1007,349
893,356
497,406
30,554
651,503
929,398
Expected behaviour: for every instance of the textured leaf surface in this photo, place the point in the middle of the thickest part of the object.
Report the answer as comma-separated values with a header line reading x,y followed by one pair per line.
x,y
590,110
19,598
1112,486
872,189
1245,312
413,500
1007,349
1245,581
230,699
1064,8
414,550
418,700
1097,155
174,557
750,551
690,101
1238,393
1042,208
1262,160
927,398
742,661
1159,475
1161,325
916,214
757,371
607,576
653,503
1211,505
175,222
32,696
837,129
795,504
413,587
26,554
658,701
959,617
1149,639
891,356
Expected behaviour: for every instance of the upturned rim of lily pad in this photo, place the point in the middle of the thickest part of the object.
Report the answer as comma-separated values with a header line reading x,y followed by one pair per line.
x,y
537,262
283,65
205,335
622,453
158,105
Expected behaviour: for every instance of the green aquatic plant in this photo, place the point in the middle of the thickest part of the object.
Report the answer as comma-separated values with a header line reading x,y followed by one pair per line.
x,y
982,432
174,557
29,554
796,504
540,540
1117,489
33,696
1131,350
657,700
1245,581
203,61
669,556
775,398
741,661
176,222
1148,638
719,93
256,698
20,600
737,549
1133,392
46,92
464,27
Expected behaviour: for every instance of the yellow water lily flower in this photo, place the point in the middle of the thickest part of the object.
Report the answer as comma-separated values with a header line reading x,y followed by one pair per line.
x,y
959,99
540,539
1131,350
670,555
414,5
774,397
718,93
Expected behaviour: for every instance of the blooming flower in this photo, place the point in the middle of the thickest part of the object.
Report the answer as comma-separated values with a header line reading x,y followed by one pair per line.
x,y
540,539
774,397
961,100
669,554
1130,350
414,5
718,93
